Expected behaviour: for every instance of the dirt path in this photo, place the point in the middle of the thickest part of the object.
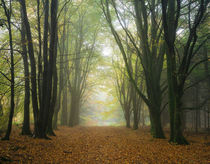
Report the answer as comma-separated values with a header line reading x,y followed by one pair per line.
x,y
102,145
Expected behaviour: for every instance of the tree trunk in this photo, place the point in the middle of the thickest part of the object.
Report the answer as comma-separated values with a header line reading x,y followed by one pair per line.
x,y
178,135
12,80
208,120
26,122
53,105
127,117
171,88
40,54
46,86
184,117
135,120
33,68
207,73
61,76
197,110
55,117
77,113
156,127
64,108
175,104
54,93
48,67
73,109
143,115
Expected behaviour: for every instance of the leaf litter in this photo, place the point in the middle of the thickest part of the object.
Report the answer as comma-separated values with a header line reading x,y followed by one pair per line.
x,y
90,145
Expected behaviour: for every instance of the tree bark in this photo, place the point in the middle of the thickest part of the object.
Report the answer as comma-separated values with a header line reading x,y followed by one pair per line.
x,y
46,85
40,54
156,127
55,77
150,53
26,121
64,108
33,68
8,13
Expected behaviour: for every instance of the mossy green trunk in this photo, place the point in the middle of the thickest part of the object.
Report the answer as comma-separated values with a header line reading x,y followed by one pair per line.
x,y
175,93
156,127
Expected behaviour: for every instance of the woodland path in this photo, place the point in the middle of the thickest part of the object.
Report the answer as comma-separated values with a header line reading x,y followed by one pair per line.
x,y
100,145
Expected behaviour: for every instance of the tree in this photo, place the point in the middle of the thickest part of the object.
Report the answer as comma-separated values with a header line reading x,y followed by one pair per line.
x,y
8,13
62,49
81,44
124,90
47,105
136,99
177,74
65,65
150,52
32,66
40,73
41,116
129,99
52,64
26,121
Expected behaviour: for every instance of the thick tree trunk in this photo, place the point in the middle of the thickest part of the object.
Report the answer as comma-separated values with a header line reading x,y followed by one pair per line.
x,y
171,12
54,93
26,121
127,118
46,86
48,67
33,68
128,124
53,105
178,134
156,127
154,94
152,61
135,119
175,104
171,94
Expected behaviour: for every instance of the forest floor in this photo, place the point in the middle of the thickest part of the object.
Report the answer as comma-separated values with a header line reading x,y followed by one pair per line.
x,y
100,145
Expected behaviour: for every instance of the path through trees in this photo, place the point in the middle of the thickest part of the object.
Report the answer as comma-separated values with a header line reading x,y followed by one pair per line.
x,y
102,145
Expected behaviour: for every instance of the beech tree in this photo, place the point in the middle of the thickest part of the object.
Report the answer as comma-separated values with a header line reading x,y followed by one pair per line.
x,y
150,52
8,13
128,97
32,66
124,90
77,44
26,121
177,73
41,115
